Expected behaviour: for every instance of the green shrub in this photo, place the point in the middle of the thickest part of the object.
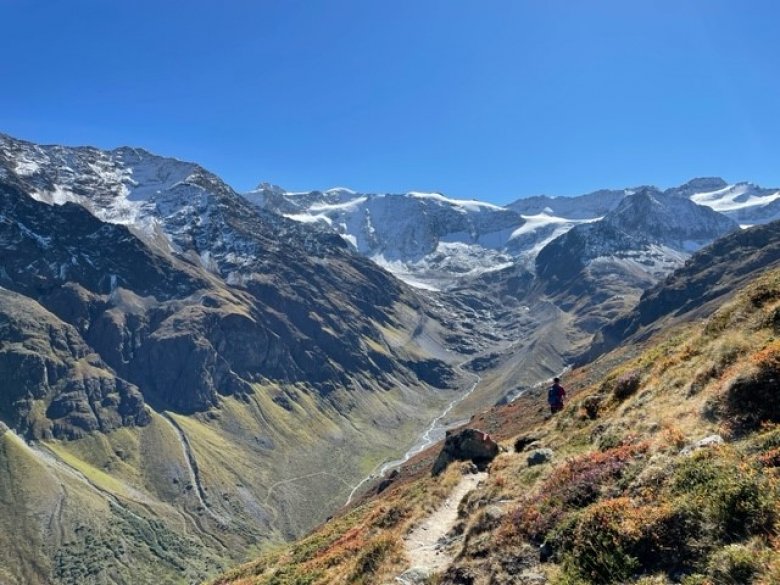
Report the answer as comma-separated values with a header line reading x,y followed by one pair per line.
x,y
592,405
752,400
734,564
598,549
614,539
291,576
734,498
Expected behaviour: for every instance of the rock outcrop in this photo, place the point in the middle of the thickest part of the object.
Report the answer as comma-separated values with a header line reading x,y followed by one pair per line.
x,y
466,445
51,383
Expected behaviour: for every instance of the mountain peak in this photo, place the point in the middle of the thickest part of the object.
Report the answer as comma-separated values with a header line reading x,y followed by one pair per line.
x,y
270,188
705,184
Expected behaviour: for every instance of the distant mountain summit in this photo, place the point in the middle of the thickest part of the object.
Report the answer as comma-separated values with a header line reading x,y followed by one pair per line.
x,y
648,229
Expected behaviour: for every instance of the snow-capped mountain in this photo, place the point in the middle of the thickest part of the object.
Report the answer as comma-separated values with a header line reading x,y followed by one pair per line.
x,y
745,203
649,229
172,204
588,206
433,241
598,270
426,239
302,292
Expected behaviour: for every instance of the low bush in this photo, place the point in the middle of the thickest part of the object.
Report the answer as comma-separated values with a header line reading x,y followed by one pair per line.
x,y
735,498
735,564
615,539
592,405
291,575
371,558
752,399
573,485
627,384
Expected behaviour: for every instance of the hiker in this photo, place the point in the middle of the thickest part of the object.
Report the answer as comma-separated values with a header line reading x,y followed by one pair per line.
x,y
555,396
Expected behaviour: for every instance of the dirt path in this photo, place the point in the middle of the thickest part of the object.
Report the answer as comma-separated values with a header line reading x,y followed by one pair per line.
x,y
427,546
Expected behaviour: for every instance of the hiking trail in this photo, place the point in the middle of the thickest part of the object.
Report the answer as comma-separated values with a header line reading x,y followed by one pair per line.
x,y
427,546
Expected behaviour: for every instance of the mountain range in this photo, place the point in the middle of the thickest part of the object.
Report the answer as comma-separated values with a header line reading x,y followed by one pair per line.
x,y
188,373
433,241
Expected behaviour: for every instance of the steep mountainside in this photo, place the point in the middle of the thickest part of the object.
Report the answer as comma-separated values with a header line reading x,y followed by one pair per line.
x,y
598,270
183,364
537,282
187,375
662,468
708,276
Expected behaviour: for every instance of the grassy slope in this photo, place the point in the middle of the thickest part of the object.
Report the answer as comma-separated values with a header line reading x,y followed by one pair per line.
x,y
622,501
122,507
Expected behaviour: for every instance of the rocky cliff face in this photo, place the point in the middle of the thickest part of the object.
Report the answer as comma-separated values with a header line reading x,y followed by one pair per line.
x,y
46,365
641,226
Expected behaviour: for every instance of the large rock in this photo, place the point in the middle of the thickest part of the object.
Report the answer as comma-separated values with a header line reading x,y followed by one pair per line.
x,y
466,445
706,442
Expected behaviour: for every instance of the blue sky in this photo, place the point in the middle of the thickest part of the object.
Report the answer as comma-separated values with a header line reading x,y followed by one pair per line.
x,y
489,99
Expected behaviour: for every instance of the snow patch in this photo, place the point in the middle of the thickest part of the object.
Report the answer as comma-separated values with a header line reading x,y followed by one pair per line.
x,y
346,206
338,190
464,204
309,217
351,239
25,167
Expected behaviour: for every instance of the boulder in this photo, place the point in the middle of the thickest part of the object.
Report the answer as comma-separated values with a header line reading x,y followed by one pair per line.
x,y
386,482
711,441
524,441
414,576
539,456
466,445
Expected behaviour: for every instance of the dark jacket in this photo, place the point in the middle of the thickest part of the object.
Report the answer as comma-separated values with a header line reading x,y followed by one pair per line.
x,y
555,395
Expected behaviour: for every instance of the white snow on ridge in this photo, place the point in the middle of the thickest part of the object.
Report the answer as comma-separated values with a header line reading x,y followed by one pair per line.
x,y
726,199
350,239
335,190
346,206
309,217
465,204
